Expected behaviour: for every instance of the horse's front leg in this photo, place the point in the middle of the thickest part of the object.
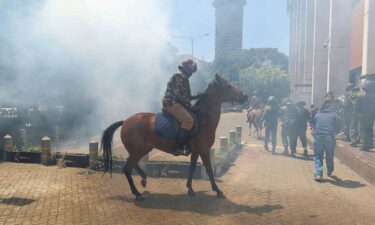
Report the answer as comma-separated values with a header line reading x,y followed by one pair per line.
x,y
205,156
193,165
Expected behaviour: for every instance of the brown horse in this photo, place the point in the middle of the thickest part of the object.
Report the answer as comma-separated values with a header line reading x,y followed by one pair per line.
x,y
253,117
139,137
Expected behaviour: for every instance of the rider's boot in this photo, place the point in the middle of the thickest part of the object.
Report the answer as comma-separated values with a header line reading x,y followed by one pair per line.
x,y
180,142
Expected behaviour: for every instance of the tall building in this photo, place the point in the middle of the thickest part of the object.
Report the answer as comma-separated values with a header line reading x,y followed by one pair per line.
x,y
229,25
331,43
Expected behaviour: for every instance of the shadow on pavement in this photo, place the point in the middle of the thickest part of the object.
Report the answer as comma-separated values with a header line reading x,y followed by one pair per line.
x,y
16,201
202,204
344,183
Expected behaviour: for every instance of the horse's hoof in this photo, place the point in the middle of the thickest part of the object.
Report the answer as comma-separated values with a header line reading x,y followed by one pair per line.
x,y
139,197
191,193
220,195
144,183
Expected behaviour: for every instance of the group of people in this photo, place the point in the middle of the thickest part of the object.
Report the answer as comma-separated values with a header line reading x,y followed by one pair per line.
x,y
358,114
294,119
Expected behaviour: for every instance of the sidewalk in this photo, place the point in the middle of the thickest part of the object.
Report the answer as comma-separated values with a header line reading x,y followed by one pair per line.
x,y
359,161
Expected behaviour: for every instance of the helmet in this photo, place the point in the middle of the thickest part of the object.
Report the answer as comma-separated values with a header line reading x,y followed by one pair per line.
x,y
368,85
189,66
300,103
271,101
349,87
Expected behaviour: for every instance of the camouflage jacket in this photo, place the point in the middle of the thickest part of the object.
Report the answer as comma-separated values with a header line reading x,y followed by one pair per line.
x,y
178,91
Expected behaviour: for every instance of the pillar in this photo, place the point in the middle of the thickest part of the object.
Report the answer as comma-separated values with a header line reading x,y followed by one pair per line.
x,y
309,50
223,144
46,150
232,138
368,60
8,145
338,68
320,51
239,134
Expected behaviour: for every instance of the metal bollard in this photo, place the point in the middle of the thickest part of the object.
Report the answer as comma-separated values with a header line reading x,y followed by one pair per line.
x,y
232,138
223,144
93,153
8,145
144,160
239,134
46,150
23,136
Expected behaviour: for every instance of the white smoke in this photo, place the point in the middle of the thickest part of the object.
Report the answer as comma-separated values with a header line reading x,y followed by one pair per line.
x,y
116,52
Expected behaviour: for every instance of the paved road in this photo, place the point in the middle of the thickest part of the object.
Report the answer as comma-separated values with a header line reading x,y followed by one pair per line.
x,y
260,188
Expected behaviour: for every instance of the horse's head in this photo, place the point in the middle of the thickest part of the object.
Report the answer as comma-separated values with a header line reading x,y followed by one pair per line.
x,y
223,91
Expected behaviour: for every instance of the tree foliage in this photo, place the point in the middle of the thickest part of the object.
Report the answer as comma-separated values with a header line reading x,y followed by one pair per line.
x,y
231,64
269,80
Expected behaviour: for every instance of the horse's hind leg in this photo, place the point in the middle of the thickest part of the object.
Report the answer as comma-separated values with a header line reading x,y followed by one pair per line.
x,y
132,162
142,174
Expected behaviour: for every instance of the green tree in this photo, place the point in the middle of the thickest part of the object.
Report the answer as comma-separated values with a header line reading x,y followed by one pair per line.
x,y
231,64
269,80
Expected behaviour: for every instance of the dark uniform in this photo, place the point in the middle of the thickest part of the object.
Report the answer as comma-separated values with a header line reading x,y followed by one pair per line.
x,y
303,117
288,115
365,108
354,126
269,117
348,108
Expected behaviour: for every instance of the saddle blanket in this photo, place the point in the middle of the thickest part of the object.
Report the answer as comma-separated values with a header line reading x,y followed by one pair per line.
x,y
167,126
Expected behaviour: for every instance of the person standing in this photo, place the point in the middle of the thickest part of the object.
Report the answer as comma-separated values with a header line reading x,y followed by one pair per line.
x,y
348,111
288,115
303,117
365,108
354,126
326,125
270,122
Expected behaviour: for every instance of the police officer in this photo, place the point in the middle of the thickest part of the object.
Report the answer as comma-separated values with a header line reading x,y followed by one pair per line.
x,y
288,115
326,125
354,126
365,108
348,110
303,117
270,122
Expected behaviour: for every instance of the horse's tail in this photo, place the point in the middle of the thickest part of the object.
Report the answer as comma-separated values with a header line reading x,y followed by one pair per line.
x,y
106,145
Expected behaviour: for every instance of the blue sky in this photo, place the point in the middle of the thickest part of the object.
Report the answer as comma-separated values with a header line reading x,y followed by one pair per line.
x,y
266,24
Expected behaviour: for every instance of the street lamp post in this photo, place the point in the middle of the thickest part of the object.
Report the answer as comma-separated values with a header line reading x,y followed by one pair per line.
x,y
192,39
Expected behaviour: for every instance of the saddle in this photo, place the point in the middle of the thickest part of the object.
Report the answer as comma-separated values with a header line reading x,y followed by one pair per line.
x,y
167,126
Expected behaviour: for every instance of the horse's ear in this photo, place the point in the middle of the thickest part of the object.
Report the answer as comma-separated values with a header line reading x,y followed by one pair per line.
x,y
217,78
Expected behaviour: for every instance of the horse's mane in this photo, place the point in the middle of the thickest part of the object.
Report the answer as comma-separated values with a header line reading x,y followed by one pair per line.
x,y
203,96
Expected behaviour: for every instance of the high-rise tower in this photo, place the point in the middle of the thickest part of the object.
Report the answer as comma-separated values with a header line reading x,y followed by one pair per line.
x,y
229,23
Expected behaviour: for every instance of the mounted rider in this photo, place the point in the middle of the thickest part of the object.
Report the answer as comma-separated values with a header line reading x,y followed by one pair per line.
x,y
176,101
255,102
